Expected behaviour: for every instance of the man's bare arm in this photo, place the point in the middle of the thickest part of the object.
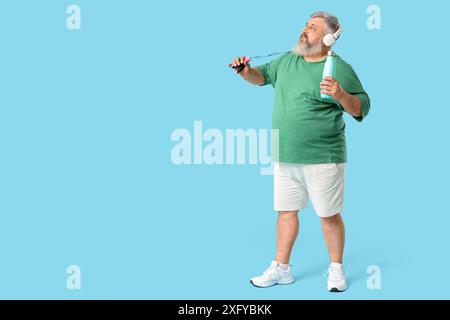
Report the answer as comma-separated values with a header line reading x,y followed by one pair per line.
x,y
351,104
252,75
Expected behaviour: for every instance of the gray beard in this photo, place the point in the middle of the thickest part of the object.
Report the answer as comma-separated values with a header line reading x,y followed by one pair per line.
x,y
302,48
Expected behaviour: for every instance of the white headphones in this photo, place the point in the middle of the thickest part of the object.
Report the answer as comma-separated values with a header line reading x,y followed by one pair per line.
x,y
331,38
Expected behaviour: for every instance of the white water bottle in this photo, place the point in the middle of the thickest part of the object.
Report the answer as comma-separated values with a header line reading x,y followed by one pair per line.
x,y
329,70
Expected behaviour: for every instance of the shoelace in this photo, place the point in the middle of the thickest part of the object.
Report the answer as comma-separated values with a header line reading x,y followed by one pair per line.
x,y
269,269
329,270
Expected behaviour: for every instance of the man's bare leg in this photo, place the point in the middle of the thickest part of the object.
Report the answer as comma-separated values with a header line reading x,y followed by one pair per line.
x,y
334,234
279,271
287,231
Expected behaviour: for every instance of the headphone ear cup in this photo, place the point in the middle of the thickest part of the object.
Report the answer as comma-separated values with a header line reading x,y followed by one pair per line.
x,y
329,40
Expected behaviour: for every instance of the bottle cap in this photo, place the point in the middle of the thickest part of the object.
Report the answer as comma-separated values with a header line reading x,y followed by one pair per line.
x,y
330,53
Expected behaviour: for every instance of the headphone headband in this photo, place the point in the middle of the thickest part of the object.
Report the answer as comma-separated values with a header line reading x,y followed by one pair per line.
x,y
337,34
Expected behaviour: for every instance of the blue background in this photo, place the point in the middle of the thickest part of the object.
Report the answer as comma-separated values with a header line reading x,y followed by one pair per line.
x,y
86,176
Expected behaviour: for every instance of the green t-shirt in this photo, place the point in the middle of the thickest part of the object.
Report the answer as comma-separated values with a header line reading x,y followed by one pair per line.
x,y
311,129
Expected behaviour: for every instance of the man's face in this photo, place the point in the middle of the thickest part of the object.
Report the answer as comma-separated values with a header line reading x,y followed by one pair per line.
x,y
310,43
314,32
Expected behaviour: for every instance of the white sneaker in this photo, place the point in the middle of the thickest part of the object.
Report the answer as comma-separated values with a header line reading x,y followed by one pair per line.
x,y
275,274
336,278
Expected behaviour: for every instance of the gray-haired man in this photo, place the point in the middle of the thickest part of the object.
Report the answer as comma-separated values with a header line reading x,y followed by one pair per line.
x,y
312,147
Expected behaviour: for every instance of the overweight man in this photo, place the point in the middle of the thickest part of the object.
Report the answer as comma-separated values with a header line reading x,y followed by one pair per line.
x,y
311,157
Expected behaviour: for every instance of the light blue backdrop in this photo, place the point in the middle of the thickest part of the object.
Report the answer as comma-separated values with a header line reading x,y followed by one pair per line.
x,y
86,176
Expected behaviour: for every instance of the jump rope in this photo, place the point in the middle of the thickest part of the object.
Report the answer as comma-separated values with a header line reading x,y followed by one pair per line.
x,y
241,67
328,40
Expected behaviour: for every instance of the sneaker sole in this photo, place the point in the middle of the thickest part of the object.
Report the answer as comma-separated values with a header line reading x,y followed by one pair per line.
x,y
336,290
275,284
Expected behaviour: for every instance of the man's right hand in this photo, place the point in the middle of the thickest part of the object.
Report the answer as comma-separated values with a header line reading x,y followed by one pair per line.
x,y
252,75
239,61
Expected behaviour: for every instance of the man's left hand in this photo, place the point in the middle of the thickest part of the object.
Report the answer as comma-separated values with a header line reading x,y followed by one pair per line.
x,y
331,87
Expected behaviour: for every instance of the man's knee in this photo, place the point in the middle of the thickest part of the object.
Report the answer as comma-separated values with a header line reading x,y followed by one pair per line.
x,y
331,220
287,215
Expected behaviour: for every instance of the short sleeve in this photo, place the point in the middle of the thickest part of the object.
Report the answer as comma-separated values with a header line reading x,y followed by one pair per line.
x,y
365,106
270,70
350,83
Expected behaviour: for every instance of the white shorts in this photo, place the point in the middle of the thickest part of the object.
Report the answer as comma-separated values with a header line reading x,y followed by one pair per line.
x,y
322,183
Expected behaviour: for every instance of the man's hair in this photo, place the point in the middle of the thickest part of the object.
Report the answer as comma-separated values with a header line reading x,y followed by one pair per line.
x,y
331,21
